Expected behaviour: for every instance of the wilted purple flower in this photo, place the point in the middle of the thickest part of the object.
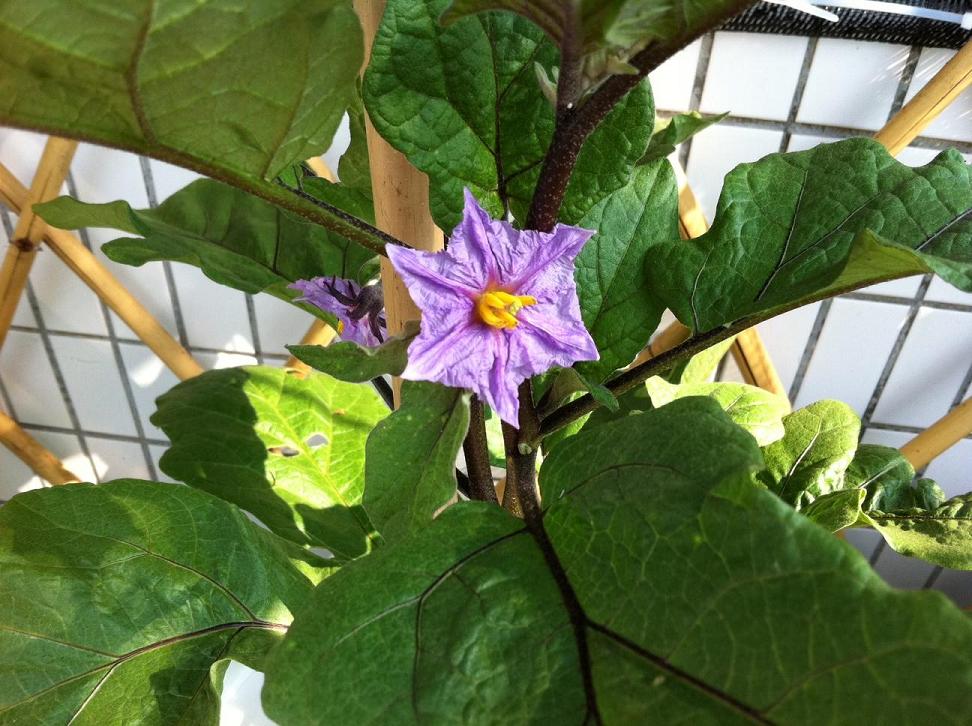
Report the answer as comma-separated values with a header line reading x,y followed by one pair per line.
x,y
498,306
360,310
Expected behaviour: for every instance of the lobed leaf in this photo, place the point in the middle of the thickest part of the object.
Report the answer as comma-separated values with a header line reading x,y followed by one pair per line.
x,y
123,602
657,557
487,125
289,450
269,88
791,226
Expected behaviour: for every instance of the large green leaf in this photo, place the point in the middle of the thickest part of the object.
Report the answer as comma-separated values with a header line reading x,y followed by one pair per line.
x,y
236,239
410,466
816,449
652,593
615,294
758,412
122,602
463,104
242,88
789,225
290,450
238,91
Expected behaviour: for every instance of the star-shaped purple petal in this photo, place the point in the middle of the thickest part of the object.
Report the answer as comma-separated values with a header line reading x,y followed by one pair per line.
x,y
359,310
498,306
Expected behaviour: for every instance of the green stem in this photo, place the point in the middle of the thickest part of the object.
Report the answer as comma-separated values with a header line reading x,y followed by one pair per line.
x,y
639,374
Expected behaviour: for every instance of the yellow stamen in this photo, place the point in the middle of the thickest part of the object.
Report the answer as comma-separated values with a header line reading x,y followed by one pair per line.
x,y
499,308
340,328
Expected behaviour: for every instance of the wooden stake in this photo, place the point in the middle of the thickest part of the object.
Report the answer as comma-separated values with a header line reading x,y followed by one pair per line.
x,y
675,334
954,77
320,167
104,284
401,195
940,436
26,448
50,175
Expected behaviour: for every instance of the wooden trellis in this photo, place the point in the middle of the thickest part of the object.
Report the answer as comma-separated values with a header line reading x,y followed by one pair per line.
x,y
401,208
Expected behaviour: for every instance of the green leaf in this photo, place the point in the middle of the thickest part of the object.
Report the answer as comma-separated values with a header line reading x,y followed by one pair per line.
x,y
486,125
810,460
595,17
701,367
613,285
236,239
836,510
240,105
942,535
354,168
611,31
494,439
650,589
787,227
675,130
290,450
885,475
123,602
410,465
758,412
348,361
266,90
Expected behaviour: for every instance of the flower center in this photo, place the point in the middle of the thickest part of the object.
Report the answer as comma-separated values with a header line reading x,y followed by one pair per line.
x,y
499,309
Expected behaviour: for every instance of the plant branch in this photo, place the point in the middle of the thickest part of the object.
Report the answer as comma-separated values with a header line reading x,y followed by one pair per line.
x,y
571,62
314,210
696,344
573,129
475,448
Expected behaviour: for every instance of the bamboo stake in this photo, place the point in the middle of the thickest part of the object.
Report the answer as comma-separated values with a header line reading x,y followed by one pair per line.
x,y
940,436
320,167
50,175
26,448
675,334
401,195
104,284
954,77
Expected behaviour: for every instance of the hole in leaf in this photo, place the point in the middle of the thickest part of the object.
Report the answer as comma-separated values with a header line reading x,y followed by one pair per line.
x,y
315,440
285,451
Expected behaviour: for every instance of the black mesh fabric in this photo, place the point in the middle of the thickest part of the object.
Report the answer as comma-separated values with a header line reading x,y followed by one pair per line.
x,y
860,24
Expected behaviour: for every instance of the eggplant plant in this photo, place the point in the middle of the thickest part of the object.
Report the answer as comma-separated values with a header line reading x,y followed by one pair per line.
x,y
663,550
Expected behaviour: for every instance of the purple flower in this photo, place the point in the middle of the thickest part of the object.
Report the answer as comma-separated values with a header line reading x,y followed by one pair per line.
x,y
498,306
359,310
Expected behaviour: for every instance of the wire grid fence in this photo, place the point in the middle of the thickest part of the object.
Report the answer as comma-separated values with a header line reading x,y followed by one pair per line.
x,y
136,452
